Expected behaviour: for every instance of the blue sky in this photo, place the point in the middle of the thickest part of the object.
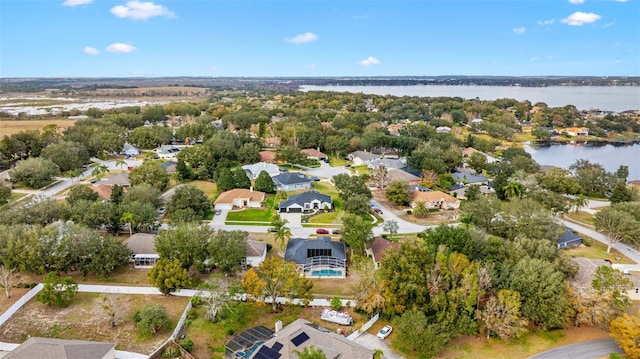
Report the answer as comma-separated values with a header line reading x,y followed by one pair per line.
x,y
95,38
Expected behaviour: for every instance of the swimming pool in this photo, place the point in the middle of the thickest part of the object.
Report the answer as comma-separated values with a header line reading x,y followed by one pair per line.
x,y
249,352
326,273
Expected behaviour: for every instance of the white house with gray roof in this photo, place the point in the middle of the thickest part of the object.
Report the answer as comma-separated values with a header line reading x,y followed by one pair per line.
x,y
253,171
305,201
362,157
291,181
318,258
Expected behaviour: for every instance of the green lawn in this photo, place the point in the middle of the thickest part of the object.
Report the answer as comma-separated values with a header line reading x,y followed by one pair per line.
x,y
326,218
597,250
251,215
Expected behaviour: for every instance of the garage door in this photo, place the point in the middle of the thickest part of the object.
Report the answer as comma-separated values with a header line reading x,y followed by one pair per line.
x,y
295,210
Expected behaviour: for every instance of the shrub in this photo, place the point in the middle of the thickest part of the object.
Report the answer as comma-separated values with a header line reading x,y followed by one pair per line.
x,y
171,352
229,331
409,211
187,344
151,319
336,303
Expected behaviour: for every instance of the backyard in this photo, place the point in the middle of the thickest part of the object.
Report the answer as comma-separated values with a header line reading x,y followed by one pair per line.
x,y
85,319
259,216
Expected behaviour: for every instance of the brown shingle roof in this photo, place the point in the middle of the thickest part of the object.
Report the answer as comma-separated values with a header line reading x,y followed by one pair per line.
x,y
255,248
313,152
267,156
379,246
432,196
142,243
229,196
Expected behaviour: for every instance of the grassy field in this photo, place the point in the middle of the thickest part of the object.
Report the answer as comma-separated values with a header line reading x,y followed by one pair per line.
x,y
209,188
85,319
251,215
479,347
584,217
9,127
597,250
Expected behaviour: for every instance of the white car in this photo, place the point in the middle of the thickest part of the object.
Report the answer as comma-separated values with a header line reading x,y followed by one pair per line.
x,y
385,331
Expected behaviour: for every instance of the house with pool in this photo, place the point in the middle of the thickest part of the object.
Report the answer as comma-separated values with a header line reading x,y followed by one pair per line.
x,y
318,258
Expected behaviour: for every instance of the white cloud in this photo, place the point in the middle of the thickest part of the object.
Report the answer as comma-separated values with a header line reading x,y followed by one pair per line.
x,y
369,61
213,68
546,22
519,30
120,48
621,0
72,3
577,2
310,66
580,18
138,10
305,38
90,50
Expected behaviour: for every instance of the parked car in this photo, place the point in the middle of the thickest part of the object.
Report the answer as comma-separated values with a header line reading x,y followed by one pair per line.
x,y
162,210
283,169
325,160
272,229
385,331
95,180
377,210
218,211
315,179
336,231
322,231
348,165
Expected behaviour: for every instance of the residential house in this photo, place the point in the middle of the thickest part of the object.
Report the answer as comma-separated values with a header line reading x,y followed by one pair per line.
x,y
577,131
476,120
313,154
143,251
384,152
291,181
443,129
267,156
394,128
435,199
402,175
50,348
389,163
458,190
362,157
468,178
130,150
239,198
121,179
253,171
376,249
256,253
167,151
318,258
170,167
569,239
305,201
295,337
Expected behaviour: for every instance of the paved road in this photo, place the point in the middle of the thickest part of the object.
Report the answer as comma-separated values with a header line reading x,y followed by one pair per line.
x,y
628,251
586,350
327,171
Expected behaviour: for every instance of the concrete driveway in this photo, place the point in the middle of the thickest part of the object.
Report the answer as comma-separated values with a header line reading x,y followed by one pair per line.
x,y
372,342
294,219
327,171
600,348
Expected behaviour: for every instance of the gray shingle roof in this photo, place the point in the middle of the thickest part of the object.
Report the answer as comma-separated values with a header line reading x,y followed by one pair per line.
x,y
305,197
468,178
297,248
291,178
48,348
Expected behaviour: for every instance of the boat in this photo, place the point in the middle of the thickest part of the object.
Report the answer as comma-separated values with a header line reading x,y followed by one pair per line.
x,y
336,317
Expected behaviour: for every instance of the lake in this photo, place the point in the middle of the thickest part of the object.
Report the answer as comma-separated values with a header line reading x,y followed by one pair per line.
x,y
609,156
610,98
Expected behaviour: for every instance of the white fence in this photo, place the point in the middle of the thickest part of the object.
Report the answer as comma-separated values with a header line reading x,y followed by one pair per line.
x,y
19,303
364,327
175,333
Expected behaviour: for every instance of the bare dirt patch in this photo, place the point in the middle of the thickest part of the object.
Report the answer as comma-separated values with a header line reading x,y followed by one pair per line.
x,y
16,293
85,319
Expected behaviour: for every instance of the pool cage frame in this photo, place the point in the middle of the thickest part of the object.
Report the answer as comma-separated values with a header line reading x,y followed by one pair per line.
x,y
246,340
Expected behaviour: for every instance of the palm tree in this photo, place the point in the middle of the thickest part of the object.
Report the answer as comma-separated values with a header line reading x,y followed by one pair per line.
x,y
128,217
420,209
513,189
282,232
580,202
121,162
98,169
